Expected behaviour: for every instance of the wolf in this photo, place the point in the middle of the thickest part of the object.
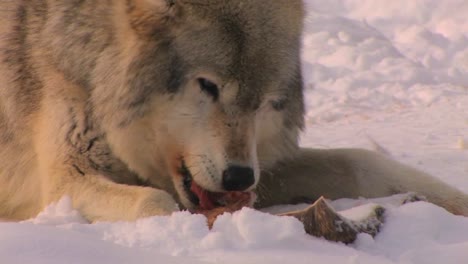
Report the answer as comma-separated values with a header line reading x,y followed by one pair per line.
x,y
135,108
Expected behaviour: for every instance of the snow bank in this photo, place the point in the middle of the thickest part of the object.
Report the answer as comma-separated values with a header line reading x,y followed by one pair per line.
x,y
379,56
414,233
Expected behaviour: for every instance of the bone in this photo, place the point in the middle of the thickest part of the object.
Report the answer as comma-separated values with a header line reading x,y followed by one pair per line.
x,y
321,220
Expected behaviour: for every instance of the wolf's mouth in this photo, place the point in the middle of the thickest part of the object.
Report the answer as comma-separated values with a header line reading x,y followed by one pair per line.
x,y
207,200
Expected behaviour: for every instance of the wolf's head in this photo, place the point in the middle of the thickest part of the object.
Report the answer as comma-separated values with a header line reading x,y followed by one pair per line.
x,y
205,90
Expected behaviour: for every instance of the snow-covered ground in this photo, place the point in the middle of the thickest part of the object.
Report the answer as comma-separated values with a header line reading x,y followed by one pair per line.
x,y
379,74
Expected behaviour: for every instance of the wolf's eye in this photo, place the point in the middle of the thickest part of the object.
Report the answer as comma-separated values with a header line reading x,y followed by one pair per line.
x,y
279,105
209,87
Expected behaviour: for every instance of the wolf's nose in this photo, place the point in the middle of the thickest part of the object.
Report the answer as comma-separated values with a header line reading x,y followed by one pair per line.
x,y
237,178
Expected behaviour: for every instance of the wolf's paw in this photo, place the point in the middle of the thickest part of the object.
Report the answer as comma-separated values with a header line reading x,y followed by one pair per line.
x,y
372,223
413,197
151,202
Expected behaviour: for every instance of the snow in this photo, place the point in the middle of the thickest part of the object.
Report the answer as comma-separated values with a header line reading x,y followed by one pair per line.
x,y
385,75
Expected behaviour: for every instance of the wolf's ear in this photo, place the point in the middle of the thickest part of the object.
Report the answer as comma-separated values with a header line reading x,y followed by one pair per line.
x,y
151,16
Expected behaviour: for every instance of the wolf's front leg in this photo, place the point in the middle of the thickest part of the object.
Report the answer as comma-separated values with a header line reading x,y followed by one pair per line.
x,y
306,176
74,158
80,165
351,173
99,199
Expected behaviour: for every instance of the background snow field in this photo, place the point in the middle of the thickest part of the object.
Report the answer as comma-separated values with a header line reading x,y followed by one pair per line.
x,y
385,75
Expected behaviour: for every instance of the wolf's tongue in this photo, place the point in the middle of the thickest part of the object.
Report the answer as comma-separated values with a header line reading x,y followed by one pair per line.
x,y
207,199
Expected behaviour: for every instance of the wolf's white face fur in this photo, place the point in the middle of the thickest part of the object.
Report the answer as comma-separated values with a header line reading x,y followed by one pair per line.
x,y
211,133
